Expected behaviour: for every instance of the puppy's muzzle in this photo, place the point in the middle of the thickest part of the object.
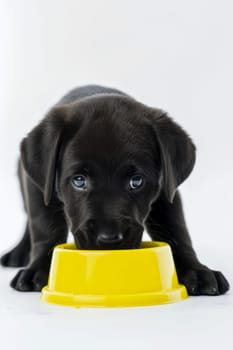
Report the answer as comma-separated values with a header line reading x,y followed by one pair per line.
x,y
108,234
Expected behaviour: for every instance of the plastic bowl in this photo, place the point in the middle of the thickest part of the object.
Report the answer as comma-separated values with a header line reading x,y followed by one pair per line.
x,y
113,278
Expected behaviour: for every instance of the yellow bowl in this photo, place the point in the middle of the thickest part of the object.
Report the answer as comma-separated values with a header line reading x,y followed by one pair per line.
x,y
111,278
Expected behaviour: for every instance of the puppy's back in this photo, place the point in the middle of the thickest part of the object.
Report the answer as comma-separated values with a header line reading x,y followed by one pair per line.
x,y
82,92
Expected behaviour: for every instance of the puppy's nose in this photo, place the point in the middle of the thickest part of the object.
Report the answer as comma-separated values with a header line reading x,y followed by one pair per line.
x,y
109,238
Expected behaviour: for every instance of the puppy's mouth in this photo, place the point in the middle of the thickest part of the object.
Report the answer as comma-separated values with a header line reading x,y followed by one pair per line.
x,y
132,240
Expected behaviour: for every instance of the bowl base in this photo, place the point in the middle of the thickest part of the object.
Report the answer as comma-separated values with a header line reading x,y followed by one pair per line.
x,y
115,300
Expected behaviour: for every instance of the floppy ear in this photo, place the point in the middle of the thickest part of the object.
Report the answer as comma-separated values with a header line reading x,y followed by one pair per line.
x,y
178,153
40,149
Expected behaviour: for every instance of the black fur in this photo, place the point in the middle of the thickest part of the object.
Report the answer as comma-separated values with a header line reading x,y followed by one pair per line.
x,y
107,136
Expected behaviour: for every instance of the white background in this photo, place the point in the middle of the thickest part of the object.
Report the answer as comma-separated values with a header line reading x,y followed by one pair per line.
x,y
176,55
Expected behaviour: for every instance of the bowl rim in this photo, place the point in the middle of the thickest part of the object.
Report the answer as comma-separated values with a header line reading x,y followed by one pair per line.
x,y
144,246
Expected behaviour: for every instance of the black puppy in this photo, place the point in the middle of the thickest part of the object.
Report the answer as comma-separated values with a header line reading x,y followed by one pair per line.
x,y
105,166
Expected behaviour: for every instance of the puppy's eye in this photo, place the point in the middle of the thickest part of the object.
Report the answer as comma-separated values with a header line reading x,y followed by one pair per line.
x,y
79,182
135,182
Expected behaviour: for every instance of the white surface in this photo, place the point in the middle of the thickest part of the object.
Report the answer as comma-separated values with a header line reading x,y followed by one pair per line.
x,y
196,323
175,55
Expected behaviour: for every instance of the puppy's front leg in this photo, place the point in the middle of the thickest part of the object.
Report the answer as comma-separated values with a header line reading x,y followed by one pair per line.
x,y
166,223
47,228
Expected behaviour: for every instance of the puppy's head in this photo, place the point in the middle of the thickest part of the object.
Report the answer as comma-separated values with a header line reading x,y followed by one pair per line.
x,y
107,159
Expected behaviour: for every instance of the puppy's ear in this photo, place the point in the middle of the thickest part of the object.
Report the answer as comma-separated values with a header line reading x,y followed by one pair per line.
x,y
40,149
178,153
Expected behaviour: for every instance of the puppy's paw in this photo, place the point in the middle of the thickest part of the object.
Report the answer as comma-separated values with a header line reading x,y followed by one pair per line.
x,y
29,280
203,281
15,258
